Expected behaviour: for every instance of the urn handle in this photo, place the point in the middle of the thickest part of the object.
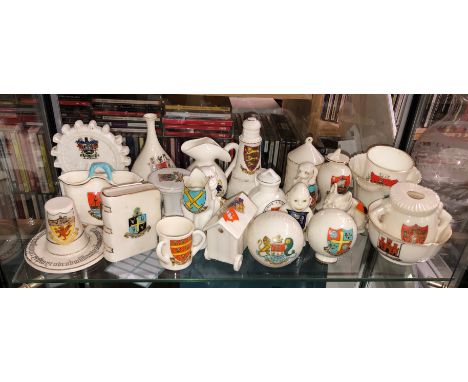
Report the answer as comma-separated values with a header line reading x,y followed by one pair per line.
x,y
199,245
376,210
231,146
444,221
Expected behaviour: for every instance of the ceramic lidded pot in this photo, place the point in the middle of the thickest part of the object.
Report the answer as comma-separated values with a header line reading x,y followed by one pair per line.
x,y
335,170
275,239
412,213
304,153
267,195
331,233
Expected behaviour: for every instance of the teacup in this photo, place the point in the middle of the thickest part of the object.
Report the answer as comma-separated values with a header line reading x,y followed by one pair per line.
x,y
65,233
176,248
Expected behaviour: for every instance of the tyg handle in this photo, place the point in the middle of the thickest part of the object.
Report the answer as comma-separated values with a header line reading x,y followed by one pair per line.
x,y
103,165
231,146
199,245
159,252
376,210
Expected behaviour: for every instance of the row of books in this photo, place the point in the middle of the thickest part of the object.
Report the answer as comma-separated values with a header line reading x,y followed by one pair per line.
x,y
332,104
23,206
437,108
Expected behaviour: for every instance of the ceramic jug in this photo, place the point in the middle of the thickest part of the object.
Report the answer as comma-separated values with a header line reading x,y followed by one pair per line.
x,y
205,151
152,157
267,194
248,160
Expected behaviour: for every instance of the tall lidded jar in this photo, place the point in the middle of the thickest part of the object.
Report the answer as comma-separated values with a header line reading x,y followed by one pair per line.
x,y
152,157
248,159
267,195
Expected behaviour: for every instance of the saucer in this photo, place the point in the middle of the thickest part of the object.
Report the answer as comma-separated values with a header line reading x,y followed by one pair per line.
x,y
37,255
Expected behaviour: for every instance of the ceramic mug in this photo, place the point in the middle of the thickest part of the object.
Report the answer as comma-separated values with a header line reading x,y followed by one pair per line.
x,y
387,165
176,248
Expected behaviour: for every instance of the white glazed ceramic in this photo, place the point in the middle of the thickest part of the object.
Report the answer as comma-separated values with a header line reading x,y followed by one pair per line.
x,y
267,195
304,153
412,213
170,181
85,187
298,204
152,157
400,252
176,244
130,213
331,233
307,173
249,158
37,255
275,239
65,233
335,170
346,202
205,151
81,145
225,230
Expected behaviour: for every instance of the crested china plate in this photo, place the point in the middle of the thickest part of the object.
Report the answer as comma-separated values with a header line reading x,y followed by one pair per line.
x,y
37,255
81,145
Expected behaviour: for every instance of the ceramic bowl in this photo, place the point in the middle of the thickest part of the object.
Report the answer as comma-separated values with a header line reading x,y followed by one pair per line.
x,y
275,239
400,252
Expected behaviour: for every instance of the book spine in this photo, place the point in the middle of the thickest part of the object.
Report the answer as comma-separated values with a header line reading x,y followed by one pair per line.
x,y
20,162
196,108
189,115
37,158
30,169
14,162
209,122
45,160
8,163
196,127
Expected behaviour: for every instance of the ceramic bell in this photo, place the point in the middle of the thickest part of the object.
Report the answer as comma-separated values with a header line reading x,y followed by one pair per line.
x,y
307,174
152,157
304,153
205,151
248,161
347,203
298,204
267,195
335,170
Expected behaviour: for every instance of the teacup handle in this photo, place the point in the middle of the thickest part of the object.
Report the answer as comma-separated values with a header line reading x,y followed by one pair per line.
x,y
444,221
159,252
197,247
231,146
105,166
376,210
414,176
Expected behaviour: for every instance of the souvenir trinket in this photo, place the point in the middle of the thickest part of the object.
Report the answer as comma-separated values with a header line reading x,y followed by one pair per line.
x,y
298,204
225,230
275,239
307,174
176,242
152,157
267,195
130,213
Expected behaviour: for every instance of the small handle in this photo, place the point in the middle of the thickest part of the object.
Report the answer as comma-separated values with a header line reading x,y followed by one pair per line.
x,y
444,221
159,248
231,146
314,174
414,176
105,166
197,247
376,210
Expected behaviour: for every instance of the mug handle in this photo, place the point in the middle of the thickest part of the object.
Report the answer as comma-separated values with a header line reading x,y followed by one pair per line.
x,y
444,221
105,166
164,259
376,210
231,146
197,247
414,176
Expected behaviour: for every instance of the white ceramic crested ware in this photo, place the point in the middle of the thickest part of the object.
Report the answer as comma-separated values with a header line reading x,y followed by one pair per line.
x,y
307,173
275,239
170,181
205,151
267,195
347,203
81,145
412,213
130,213
331,233
65,245
85,186
176,244
304,153
152,157
335,170
298,204
249,158
225,230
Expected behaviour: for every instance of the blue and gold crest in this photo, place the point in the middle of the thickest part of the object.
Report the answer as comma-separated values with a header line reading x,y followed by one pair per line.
x,y
137,224
194,200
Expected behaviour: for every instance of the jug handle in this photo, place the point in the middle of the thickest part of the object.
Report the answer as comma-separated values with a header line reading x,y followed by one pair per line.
x,y
376,210
105,166
231,146
444,220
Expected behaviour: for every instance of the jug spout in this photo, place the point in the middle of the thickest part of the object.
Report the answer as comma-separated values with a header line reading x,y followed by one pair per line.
x,y
205,150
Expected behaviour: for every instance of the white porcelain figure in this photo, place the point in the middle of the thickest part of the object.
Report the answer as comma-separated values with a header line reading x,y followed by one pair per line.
x,y
331,233
335,170
267,195
275,239
205,151
298,204
249,158
130,213
170,181
412,213
307,174
304,153
85,187
347,203
152,157
225,230
176,246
